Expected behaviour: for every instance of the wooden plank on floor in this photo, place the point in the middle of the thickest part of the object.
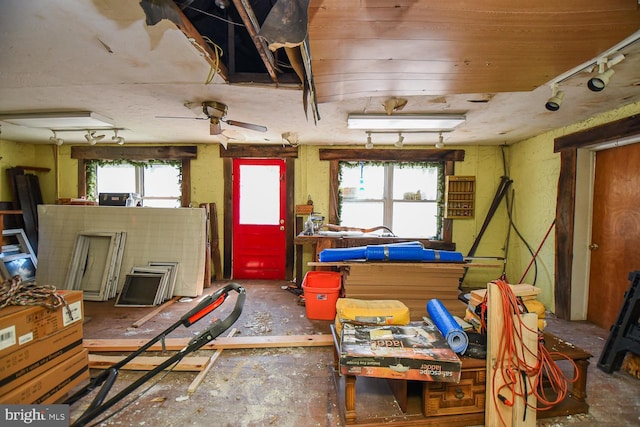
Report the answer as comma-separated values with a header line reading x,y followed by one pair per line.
x,y
227,343
203,373
147,363
153,313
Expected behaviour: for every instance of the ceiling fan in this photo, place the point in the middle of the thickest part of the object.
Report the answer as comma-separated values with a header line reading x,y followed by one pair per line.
x,y
216,112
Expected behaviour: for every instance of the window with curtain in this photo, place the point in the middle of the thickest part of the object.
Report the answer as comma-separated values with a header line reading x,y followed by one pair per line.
x,y
405,197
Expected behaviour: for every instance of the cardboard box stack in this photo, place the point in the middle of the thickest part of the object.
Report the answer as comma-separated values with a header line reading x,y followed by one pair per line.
x,y
41,352
527,293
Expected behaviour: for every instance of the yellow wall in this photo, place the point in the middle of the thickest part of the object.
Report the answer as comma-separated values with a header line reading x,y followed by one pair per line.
x,y
531,164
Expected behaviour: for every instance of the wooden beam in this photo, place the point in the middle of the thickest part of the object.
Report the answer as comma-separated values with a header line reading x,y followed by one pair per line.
x,y
164,152
248,150
153,313
175,344
623,128
147,363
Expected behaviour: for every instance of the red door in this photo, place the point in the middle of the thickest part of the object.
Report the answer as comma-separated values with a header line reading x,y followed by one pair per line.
x,y
259,210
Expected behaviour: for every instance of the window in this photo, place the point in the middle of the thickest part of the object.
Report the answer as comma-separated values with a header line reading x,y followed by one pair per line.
x,y
157,183
405,197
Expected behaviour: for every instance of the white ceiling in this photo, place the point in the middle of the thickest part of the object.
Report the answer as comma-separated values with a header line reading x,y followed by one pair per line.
x,y
100,56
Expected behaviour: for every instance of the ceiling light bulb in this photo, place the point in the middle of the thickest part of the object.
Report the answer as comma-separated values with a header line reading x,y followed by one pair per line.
x,y
369,143
599,82
554,103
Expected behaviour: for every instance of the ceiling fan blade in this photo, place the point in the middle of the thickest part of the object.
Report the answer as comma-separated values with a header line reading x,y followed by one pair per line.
x,y
251,126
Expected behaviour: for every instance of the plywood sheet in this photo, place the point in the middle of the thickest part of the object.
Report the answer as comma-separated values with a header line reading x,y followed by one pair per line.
x,y
153,234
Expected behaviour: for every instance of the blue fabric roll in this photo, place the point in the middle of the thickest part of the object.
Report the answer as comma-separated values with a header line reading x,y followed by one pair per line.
x,y
342,254
394,253
444,321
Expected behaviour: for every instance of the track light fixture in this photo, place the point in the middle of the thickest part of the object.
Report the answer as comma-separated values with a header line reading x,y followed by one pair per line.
x,y
605,71
440,143
553,103
369,143
400,140
117,139
92,138
55,139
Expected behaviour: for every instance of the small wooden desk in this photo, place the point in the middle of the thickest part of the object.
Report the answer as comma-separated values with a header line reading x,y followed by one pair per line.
x,y
468,395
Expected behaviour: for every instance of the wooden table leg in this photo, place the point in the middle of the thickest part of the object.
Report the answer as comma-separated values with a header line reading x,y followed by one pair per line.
x,y
579,390
350,398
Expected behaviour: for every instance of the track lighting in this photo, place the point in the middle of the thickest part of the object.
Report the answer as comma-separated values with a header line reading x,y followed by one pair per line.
x,y
55,139
599,82
369,144
400,140
553,103
92,138
440,143
117,139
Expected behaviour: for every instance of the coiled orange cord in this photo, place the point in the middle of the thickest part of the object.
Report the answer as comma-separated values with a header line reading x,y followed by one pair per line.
x,y
512,356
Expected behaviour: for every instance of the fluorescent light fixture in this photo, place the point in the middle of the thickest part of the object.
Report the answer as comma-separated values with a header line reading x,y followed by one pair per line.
x,y
431,122
58,120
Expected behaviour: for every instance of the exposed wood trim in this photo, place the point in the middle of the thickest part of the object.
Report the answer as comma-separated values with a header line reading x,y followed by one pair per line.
x,y
334,185
290,218
82,178
447,223
227,232
565,214
567,146
391,155
163,152
618,129
185,184
176,344
34,168
267,151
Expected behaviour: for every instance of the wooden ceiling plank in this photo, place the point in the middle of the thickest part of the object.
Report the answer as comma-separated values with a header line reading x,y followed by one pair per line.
x,y
251,24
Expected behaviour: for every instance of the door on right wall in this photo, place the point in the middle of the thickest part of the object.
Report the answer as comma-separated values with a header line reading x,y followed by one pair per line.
x,y
615,240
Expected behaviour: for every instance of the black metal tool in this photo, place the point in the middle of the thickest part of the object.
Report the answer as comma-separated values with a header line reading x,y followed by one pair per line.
x,y
107,378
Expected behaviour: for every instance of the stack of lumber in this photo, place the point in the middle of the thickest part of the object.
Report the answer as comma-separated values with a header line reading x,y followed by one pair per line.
x,y
41,353
414,284
527,293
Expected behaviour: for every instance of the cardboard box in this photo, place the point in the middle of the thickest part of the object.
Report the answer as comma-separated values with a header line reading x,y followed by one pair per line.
x,y
51,386
30,361
22,325
416,351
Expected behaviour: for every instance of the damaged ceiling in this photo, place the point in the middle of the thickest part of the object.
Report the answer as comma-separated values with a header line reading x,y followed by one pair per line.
x,y
148,64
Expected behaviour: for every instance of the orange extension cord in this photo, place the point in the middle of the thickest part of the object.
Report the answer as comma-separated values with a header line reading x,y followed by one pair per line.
x,y
512,355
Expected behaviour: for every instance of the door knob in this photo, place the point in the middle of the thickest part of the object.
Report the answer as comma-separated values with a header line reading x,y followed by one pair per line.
x,y
593,246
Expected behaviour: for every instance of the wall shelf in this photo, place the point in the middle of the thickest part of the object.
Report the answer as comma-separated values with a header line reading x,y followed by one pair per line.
x,y
459,197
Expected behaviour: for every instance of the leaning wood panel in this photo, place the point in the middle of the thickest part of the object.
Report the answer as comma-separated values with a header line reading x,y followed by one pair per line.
x,y
147,363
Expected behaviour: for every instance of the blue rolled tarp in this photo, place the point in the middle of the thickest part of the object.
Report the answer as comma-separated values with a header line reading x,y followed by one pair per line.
x,y
444,321
409,251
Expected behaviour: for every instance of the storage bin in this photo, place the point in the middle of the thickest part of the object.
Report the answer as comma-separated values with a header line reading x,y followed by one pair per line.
x,y
321,292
